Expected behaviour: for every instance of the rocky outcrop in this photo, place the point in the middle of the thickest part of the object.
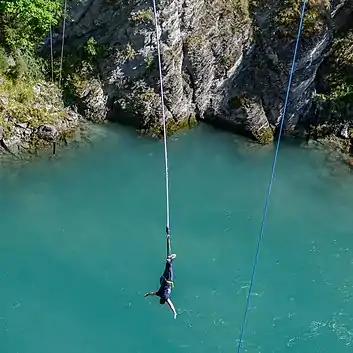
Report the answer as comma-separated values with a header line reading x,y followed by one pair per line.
x,y
332,111
48,133
266,70
202,46
32,116
224,61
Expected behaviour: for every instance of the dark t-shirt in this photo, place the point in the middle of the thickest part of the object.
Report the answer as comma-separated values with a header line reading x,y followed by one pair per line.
x,y
164,290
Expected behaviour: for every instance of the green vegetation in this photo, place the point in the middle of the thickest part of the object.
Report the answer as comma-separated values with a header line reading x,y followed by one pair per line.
x,y
148,61
263,136
336,97
340,77
128,53
288,13
80,66
25,99
172,126
232,19
16,90
241,5
23,27
18,101
91,47
233,7
24,23
243,103
195,40
144,16
29,103
3,60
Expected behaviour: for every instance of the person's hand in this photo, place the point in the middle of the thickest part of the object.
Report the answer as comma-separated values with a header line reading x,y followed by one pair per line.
x,y
146,295
175,315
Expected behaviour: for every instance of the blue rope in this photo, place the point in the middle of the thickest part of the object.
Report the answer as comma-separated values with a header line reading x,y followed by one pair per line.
x,y
271,179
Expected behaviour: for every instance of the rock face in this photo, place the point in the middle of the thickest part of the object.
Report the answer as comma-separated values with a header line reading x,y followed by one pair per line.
x,y
332,111
224,61
267,68
202,45
47,132
32,117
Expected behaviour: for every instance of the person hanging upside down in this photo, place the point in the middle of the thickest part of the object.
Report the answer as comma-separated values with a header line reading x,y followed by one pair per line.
x,y
166,284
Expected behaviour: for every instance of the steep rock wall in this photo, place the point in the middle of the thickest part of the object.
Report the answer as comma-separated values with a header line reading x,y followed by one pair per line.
x,y
332,110
224,61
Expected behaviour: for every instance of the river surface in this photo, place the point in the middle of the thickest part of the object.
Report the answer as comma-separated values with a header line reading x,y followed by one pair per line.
x,y
82,239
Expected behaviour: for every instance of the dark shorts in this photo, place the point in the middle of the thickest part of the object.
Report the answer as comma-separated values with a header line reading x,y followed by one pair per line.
x,y
168,272
166,288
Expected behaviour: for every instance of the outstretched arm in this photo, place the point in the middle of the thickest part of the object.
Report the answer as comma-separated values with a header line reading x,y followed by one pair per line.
x,y
172,307
150,293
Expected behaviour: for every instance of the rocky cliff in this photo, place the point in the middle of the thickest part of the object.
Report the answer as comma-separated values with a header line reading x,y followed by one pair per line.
x,y
224,61
332,111
32,116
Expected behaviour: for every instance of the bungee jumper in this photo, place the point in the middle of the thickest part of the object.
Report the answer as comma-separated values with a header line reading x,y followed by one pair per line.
x,y
166,281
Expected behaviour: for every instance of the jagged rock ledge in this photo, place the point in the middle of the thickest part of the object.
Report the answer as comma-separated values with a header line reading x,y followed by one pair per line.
x,y
33,117
224,62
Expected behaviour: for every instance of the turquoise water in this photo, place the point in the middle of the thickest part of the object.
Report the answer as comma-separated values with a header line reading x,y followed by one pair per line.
x,y
82,239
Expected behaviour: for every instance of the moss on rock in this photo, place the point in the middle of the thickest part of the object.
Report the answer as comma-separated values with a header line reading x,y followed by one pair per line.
x,y
26,106
333,102
263,135
248,109
144,16
241,101
80,66
288,13
172,126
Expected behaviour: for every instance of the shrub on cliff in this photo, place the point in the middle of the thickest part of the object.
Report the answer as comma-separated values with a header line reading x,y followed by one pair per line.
x,y
316,17
24,23
334,98
23,26
26,101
